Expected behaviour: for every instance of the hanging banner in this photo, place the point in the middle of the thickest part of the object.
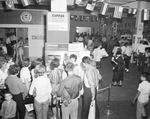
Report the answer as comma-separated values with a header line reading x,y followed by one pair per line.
x,y
57,21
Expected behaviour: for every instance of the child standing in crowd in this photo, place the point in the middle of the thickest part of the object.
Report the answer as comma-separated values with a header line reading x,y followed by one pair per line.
x,y
8,109
142,96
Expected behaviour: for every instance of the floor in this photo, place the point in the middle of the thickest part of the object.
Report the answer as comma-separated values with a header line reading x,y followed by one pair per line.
x,y
120,97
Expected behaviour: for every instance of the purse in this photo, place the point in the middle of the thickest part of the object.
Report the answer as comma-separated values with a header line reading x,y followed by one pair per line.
x,y
29,99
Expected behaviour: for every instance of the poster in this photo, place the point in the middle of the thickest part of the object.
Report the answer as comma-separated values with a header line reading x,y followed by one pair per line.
x,y
57,21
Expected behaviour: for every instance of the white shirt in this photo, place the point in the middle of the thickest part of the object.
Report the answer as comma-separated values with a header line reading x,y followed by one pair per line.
x,y
99,54
3,76
80,39
115,49
123,48
25,74
128,51
144,89
96,78
42,87
141,48
8,40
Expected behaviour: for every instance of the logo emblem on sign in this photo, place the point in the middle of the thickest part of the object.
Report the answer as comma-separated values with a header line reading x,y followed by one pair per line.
x,y
26,17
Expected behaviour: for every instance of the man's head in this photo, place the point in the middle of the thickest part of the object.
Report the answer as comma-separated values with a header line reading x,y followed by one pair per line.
x,y
73,58
69,67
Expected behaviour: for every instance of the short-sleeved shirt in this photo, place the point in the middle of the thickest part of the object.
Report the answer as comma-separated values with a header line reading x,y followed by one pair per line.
x,y
91,77
3,76
72,84
25,74
99,54
14,84
42,87
144,89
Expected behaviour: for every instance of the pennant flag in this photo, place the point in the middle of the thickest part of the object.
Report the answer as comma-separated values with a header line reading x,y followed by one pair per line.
x,y
132,11
25,2
118,12
145,14
9,4
104,8
90,7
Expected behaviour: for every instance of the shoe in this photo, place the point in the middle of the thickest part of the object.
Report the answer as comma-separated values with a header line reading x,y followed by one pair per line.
x,y
120,85
114,84
127,70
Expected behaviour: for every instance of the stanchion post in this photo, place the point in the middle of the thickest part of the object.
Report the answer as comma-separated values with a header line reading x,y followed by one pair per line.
x,y
108,111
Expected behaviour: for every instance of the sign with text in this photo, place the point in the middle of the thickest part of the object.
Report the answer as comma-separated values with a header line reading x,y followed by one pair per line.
x,y
57,21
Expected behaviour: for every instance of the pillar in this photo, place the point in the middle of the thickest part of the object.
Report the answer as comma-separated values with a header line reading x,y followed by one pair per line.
x,y
58,23
139,23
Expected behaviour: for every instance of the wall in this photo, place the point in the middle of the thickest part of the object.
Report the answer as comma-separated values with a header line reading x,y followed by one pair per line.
x,y
36,28
73,24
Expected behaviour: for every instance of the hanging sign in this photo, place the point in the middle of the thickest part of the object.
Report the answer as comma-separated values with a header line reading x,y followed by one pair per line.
x,y
57,21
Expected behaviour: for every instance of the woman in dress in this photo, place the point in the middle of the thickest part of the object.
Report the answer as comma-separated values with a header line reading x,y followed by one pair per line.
x,y
118,69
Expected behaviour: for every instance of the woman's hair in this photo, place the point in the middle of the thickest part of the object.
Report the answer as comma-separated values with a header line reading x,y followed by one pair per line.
x,y
119,52
86,60
26,62
14,69
40,70
54,63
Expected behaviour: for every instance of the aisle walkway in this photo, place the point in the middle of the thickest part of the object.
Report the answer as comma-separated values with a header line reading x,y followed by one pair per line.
x,y
121,97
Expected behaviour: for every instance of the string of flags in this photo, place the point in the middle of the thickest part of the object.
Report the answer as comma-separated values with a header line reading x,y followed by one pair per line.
x,y
118,10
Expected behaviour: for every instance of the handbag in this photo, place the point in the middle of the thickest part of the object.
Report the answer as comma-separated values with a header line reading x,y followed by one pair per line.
x,y
91,114
29,99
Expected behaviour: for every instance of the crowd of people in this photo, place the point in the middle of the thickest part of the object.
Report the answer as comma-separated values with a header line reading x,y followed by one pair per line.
x,y
14,47
59,88
68,88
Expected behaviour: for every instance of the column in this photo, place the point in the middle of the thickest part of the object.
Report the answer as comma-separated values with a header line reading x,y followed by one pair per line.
x,y
58,23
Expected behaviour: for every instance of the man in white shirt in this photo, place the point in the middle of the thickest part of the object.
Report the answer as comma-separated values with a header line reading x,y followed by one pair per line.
x,y
127,56
41,89
141,56
98,54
